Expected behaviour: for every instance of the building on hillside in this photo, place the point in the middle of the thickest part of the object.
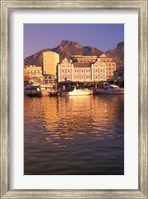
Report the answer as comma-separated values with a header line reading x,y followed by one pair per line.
x,y
33,73
50,61
81,71
110,65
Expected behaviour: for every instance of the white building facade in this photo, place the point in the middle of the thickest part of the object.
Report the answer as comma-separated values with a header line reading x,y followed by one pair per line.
x,y
81,71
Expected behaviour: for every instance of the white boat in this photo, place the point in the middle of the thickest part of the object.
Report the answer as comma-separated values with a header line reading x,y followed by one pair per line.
x,y
110,90
77,92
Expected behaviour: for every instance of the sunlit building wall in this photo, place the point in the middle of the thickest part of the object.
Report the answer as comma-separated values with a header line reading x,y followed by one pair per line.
x,y
33,69
33,73
110,65
98,71
50,61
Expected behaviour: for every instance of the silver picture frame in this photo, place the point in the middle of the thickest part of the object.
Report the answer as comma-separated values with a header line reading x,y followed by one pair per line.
x,y
142,7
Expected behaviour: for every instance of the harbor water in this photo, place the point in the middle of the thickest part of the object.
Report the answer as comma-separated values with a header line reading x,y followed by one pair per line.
x,y
75,135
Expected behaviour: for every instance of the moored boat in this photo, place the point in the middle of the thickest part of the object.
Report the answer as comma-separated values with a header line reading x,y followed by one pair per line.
x,y
77,92
32,91
45,89
34,94
54,93
110,90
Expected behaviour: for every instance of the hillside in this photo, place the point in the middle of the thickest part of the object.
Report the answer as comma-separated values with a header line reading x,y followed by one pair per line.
x,y
69,48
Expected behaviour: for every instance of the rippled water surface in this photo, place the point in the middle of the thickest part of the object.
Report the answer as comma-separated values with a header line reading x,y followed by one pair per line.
x,y
74,135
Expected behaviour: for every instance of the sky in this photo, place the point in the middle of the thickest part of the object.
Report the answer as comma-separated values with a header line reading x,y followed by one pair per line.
x,y
102,36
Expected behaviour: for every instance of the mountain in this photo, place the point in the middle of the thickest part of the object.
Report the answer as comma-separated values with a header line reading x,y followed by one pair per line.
x,y
68,48
117,54
36,59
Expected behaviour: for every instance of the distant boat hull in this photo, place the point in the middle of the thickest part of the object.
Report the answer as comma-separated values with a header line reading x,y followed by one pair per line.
x,y
110,90
37,90
102,92
54,94
34,94
32,91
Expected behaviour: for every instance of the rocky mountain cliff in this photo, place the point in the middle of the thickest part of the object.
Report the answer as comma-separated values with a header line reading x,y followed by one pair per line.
x,y
69,48
117,54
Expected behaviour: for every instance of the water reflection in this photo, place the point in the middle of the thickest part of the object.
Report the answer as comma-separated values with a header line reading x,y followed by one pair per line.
x,y
63,124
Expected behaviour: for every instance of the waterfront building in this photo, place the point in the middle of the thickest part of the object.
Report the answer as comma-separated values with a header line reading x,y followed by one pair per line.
x,y
48,79
110,65
119,76
119,73
50,61
33,73
26,79
80,58
83,69
65,71
98,71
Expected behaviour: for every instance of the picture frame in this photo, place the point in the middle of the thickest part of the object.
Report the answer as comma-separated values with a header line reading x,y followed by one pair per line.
x,y
6,7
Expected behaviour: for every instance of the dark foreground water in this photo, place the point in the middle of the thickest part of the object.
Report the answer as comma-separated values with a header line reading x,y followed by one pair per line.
x,y
74,135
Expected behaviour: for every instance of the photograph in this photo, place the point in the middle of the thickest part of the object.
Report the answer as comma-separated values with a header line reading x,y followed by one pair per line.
x,y
73,99
74,108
